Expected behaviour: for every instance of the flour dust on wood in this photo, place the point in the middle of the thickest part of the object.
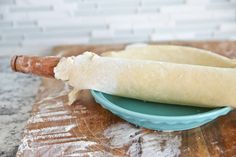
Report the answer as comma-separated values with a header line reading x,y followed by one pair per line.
x,y
143,142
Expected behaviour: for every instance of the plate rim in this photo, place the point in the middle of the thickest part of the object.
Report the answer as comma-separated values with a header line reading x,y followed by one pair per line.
x,y
212,113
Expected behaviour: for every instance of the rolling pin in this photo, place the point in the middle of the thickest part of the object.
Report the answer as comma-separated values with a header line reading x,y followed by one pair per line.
x,y
155,81
41,66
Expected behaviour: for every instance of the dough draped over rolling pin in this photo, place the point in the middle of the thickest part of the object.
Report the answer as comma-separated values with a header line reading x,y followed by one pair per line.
x,y
174,54
153,80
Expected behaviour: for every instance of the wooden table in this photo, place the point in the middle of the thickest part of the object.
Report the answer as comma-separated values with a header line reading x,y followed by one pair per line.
x,y
86,129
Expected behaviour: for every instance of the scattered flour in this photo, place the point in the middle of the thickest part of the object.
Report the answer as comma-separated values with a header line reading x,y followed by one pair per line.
x,y
54,129
37,119
50,140
57,149
141,143
52,113
121,134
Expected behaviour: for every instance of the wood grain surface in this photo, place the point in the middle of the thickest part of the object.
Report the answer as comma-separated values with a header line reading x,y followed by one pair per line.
x,y
86,129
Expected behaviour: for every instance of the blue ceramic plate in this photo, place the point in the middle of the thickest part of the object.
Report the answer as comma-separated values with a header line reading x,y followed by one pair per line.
x,y
158,116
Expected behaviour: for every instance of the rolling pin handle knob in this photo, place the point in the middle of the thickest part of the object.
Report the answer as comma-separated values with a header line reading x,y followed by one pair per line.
x,y
13,63
41,66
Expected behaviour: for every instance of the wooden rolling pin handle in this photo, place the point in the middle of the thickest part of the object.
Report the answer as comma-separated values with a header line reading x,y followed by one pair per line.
x,y
41,66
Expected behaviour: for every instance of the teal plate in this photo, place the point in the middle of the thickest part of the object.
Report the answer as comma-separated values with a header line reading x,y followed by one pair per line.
x,y
158,116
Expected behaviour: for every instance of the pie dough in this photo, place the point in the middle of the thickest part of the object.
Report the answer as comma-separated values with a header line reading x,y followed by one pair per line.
x,y
183,77
175,54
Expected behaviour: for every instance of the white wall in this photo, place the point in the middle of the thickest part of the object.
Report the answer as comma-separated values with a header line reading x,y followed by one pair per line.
x,y
33,26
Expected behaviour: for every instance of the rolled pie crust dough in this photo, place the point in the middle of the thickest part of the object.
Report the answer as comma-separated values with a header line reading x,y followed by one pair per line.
x,y
167,74
174,54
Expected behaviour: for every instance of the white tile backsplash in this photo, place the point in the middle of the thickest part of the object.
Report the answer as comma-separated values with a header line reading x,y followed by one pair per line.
x,y
102,34
33,27
6,2
227,27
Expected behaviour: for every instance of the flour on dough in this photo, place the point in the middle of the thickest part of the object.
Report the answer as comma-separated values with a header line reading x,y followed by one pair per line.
x,y
150,80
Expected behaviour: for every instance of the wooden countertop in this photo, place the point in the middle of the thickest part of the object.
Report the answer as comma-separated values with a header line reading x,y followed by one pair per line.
x,y
86,129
